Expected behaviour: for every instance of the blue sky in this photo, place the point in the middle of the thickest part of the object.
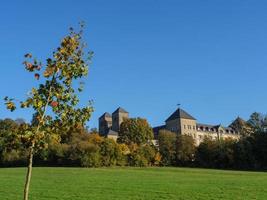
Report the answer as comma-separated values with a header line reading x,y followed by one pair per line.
x,y
210,56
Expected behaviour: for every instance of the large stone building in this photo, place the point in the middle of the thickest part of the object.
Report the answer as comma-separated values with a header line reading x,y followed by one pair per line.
x,y
181,122
109,125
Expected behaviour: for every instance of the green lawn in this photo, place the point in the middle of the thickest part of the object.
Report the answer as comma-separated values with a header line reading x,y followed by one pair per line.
x,y
133,183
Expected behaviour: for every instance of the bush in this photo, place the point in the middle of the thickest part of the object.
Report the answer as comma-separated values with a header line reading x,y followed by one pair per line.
x,y
111,153
142,156
91,156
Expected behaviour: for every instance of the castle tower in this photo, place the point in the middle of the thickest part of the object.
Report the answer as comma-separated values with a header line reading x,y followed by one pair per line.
x,y
181,122
117,118
105,123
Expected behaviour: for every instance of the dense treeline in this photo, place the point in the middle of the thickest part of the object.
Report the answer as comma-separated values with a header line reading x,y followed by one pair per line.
x,y
80,147
249,152
76,148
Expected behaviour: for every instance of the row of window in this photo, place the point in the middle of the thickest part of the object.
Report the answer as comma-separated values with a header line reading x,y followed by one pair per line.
x,y
190,127
214,130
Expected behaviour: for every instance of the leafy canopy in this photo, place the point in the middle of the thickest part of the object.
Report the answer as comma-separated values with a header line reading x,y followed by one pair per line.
x,y
55,100
136,130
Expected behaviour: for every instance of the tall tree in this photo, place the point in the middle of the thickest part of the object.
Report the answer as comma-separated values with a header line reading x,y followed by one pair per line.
x,y
136,130
258,121
55,100
167,147
185,149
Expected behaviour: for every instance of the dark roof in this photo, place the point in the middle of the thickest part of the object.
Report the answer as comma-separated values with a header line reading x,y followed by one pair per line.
x,y
157,129
180,113
121,110
206,125
238,120
106,114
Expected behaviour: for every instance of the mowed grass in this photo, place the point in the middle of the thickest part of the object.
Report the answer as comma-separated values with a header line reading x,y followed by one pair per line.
x,y
133,183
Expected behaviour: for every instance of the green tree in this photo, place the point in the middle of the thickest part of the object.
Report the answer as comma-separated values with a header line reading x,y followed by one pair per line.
x,y
244,156
205,152
260,150
108,152
216,153
258,121
185,149
142,155
55,100
167,147
135,130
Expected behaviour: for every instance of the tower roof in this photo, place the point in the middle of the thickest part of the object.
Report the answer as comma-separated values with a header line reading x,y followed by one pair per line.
x,y
120,110
180,113
238,122
106,114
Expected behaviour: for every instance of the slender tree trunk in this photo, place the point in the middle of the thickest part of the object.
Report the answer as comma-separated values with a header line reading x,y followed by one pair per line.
x,y
29,174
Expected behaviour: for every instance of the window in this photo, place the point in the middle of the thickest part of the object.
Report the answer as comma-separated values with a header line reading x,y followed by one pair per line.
x,y
184,126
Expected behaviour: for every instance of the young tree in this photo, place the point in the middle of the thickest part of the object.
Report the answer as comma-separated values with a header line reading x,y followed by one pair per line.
x,y
55,100
135,130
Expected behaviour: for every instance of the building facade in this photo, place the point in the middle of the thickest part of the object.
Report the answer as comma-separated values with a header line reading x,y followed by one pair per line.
x,y
109,125
180,122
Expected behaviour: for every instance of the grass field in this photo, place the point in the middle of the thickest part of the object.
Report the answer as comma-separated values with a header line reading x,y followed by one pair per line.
x,y
133,183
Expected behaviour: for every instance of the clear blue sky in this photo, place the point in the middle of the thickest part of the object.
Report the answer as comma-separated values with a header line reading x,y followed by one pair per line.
x,y
210,56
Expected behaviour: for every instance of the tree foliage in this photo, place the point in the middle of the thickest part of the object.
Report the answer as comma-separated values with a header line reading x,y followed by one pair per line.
x,y
167,147
258,121
55,100
135,130
185,149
